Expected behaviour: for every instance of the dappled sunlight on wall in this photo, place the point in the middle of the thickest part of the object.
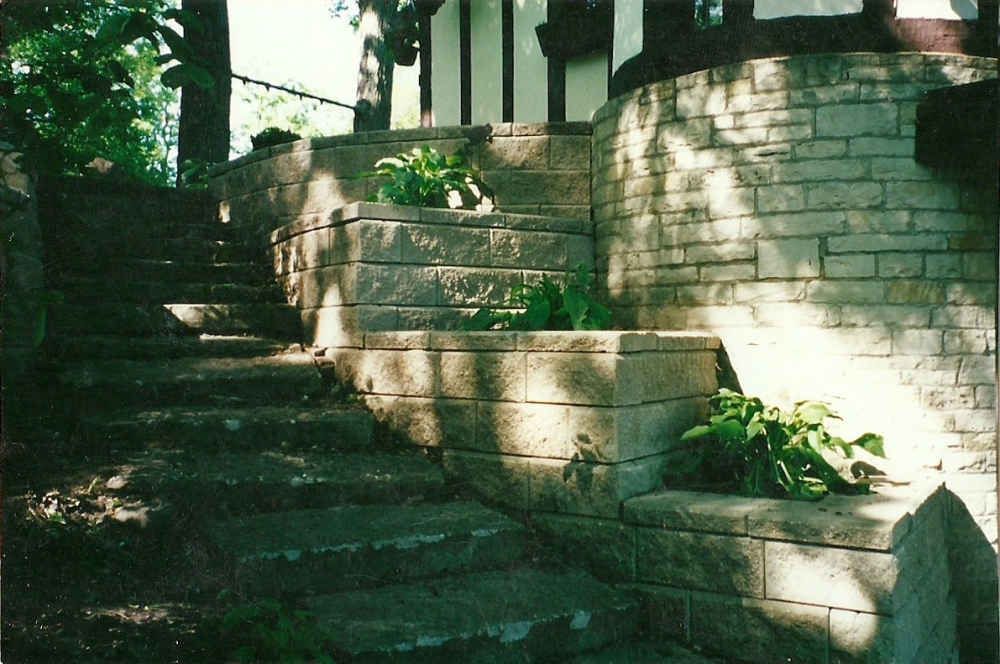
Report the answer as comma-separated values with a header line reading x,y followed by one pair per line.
x,y
777,204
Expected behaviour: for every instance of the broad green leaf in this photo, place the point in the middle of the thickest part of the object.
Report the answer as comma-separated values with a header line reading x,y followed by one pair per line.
x,y
871,443
182,74
697,432
813,412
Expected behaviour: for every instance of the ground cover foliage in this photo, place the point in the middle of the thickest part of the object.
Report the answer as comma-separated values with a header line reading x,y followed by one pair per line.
x,y
760,450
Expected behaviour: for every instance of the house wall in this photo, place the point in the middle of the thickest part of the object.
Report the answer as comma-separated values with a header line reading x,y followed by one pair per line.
x,y
777,204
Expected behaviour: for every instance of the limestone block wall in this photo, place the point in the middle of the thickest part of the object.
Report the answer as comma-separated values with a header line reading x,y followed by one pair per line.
x,y
777,204
372,267
533,169
559,422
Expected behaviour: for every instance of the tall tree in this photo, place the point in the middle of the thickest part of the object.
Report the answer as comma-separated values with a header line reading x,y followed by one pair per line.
x,y
373,108
203,134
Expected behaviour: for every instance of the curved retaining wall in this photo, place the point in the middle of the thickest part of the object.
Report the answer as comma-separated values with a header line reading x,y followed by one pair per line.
x,y
777,204
533,169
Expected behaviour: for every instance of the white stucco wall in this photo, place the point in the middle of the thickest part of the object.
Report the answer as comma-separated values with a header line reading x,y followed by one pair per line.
x,y
765,9
487,61
446,68
628,32
586,86
530,66
952,10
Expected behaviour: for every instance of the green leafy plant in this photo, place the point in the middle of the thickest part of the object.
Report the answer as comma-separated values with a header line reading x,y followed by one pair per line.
x,y
547,306
760,450
272,136
427,178
269,631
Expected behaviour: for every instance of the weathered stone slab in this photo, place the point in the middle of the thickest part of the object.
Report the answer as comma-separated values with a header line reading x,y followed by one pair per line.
x,y
606,546
426,421
700,561
483,375
531,430
666,611
501,479
581,487
759,630
839,578
683,510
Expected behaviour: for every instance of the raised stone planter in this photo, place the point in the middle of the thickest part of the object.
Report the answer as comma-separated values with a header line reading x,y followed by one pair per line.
x,y
847,579
369,267
568,422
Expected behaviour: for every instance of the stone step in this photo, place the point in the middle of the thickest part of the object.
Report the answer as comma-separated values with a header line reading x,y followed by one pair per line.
x,y
97,347
136,319
192,248
86,288
243,483
362,546
525,615
129,270
320,426
283,379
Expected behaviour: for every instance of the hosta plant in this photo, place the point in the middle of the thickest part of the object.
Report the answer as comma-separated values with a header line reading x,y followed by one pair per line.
x,y
547,306
761,450
426,178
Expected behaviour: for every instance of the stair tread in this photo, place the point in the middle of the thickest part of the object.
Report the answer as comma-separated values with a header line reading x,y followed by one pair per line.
x,y
238,483
503,607
354,527
97,347
152,372
87,288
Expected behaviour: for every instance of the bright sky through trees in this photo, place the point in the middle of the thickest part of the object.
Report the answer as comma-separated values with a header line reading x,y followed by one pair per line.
x,y
298,43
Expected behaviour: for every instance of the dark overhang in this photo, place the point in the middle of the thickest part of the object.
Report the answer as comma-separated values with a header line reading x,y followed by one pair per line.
x,y
958,129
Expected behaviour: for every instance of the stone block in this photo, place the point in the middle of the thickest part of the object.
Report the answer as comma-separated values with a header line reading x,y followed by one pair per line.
x,y
700,561
846,292
390,372
475,287
703,512
530,430
781,198
590,342
934,195
917,342
427,244
849,266
381,284
612,435
583,379
522,249
734,272
501,479
840,578
788,258
788,225
864,637
569,152
483,375
819,170
915,292
759,630
592,489
844,195
604,546
894,266
852,120
332,327
524,152
545,188
666,611
427,422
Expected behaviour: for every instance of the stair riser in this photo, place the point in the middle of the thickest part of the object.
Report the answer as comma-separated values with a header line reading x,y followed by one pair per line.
x,y
368,566
248,498
550,640
241,392
88,289
342,435
193,250
139,320
164,270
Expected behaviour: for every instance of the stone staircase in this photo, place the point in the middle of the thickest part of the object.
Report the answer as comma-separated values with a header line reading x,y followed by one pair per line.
x,y
175,351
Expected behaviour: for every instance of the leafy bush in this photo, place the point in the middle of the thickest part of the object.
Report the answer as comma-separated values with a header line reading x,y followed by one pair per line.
x,y
760,450
271,632
426,178
272,136
547,306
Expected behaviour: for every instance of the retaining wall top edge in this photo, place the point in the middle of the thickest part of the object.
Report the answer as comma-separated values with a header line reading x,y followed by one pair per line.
x,y
878,521
613,341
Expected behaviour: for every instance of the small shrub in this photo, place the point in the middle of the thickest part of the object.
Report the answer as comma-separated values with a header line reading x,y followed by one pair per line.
x,y
547,306
760,450
272,136
271,632
426,178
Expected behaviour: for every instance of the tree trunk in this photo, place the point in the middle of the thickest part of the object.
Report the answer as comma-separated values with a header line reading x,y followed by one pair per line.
x,y
203,134
373,108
